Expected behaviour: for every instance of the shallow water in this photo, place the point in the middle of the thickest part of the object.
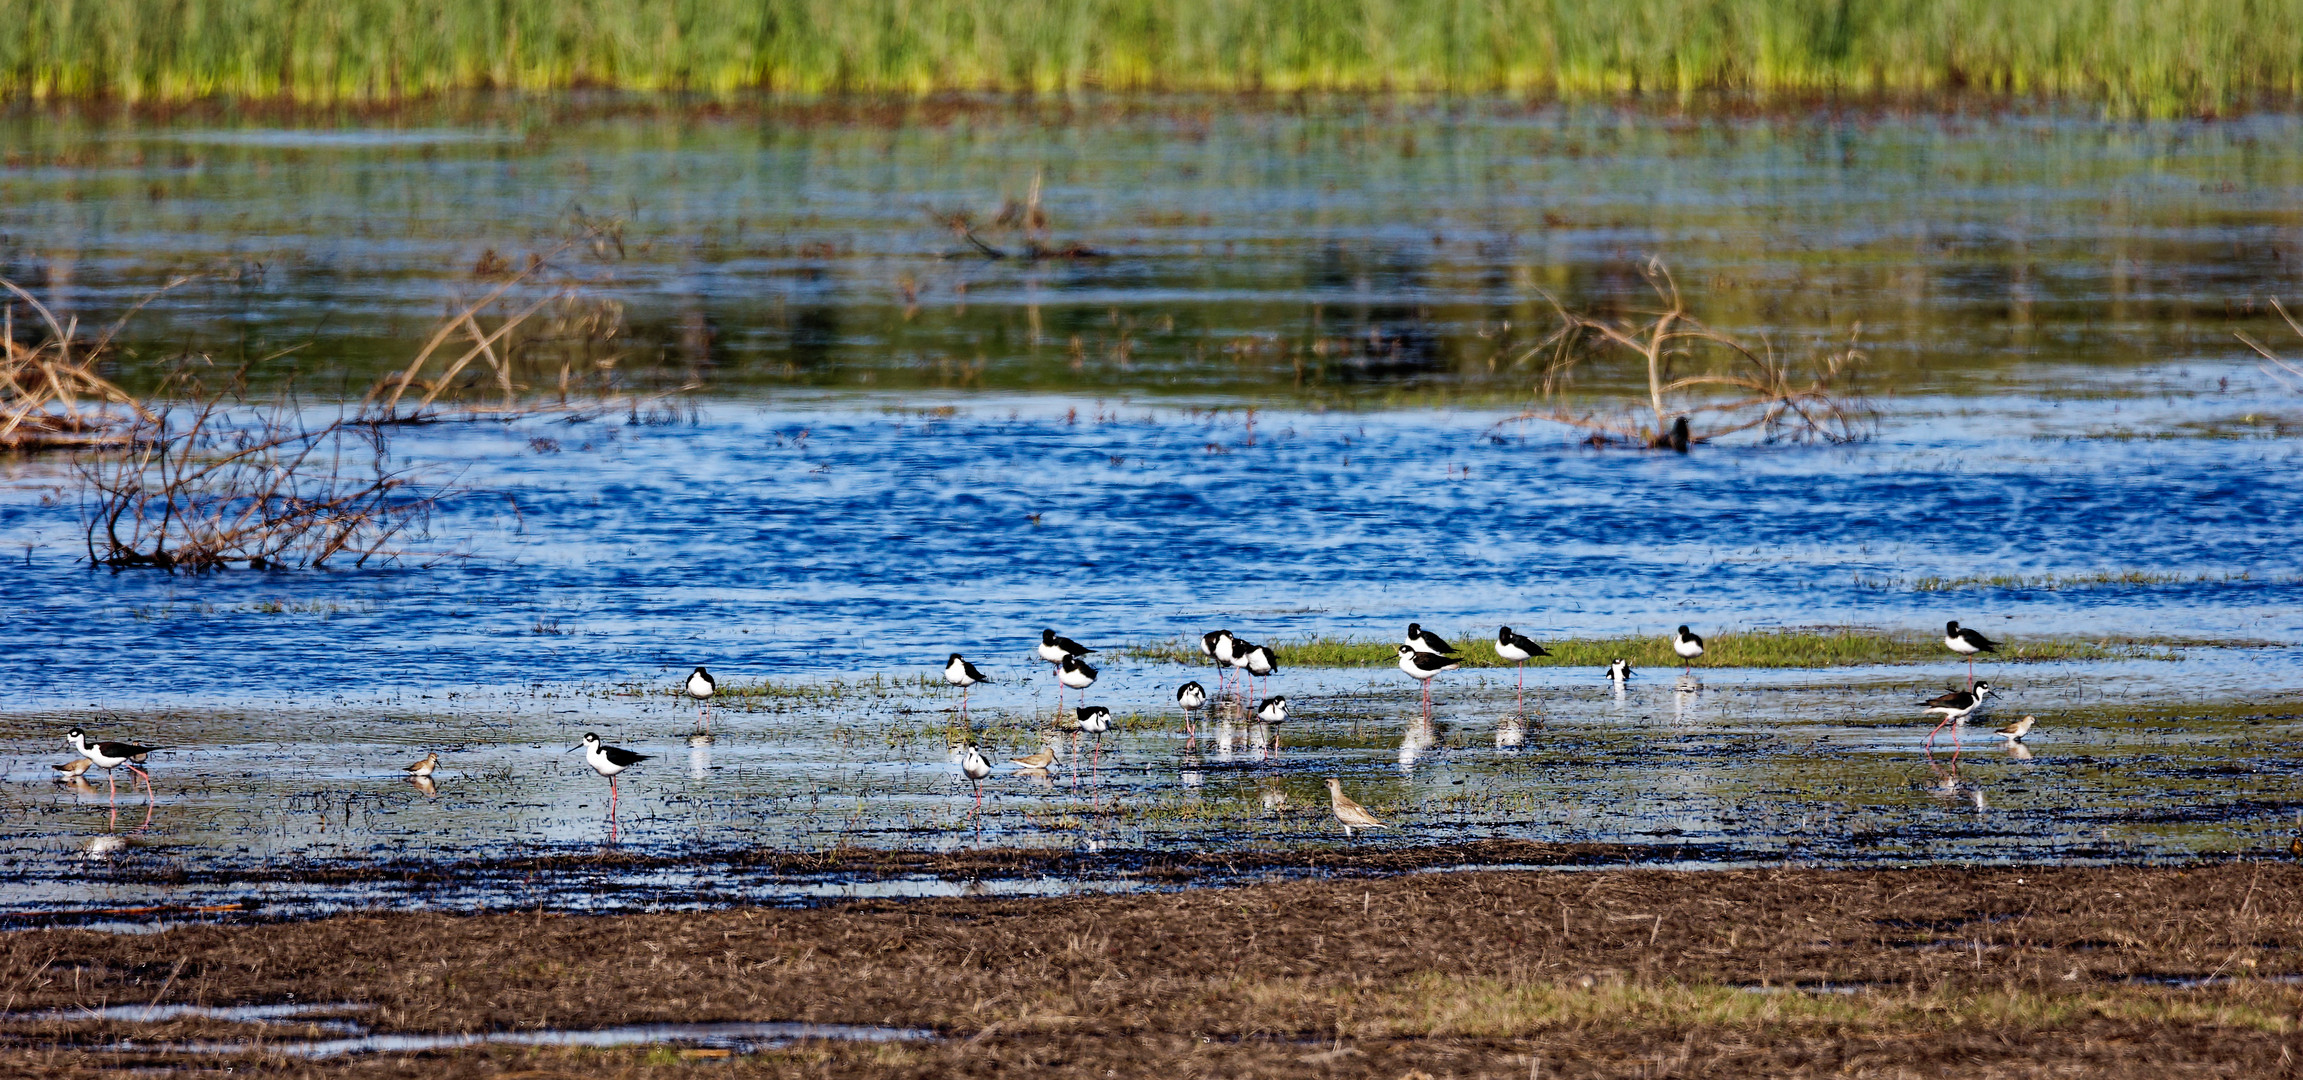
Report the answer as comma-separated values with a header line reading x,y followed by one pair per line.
x,y
840,544
1334,250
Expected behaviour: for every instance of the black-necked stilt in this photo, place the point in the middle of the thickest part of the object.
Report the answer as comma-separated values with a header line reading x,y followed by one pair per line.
x,y
1353,815
1423,667
2016,731
1054,647
1261,662
1223,647
1619,672
1240,650
1190,696
1688,646
424,767
975,767
1424,641
964,675
1519,649
111,755
1092,720
701,686
1075,673
1956,708
607,761
1272,711
1967,642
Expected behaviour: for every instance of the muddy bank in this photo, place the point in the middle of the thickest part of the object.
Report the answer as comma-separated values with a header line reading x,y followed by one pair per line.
x,y
1988,972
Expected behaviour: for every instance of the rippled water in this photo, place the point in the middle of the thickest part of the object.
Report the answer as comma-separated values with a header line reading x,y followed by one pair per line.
x,y
2065,405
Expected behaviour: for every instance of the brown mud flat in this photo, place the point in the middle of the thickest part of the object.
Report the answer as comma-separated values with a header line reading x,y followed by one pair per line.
x,y
1945,971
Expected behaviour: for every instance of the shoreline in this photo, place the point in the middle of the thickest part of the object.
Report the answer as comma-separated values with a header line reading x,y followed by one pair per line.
x,y
2120,971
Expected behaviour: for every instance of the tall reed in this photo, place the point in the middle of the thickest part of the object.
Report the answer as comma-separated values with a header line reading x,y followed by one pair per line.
x,y
2135,55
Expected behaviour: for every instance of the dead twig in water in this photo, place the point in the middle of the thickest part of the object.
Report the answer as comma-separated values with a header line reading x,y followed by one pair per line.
x,y
2267,354
1753,389
43,386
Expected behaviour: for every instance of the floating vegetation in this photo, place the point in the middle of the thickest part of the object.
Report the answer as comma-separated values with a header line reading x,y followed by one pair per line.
x,y
2052,582
2218,54
1827,647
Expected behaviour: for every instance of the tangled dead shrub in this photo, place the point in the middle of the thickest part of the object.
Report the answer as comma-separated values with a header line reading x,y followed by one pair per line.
x,y
218,478
1702,383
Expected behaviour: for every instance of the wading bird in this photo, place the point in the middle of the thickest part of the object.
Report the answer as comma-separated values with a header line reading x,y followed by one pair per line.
x,y
1424,641
424,767
111,755
964,675
1041,760
2016,731
1261,662
1093,720
1272,712
1353,815
1190,696
1519,649
973,766
1619,671
1956,707
1967,643
1217,644
1423,667
701,686
1075,673
1688,646
71,770
607,761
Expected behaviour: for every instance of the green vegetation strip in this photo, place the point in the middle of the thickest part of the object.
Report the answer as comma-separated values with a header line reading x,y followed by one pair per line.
x,y
2134,57
1764,649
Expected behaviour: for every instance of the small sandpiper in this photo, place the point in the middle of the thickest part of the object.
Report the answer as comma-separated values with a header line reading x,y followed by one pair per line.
x,y
1353,815
1041,760
424,767
2016,731
71,770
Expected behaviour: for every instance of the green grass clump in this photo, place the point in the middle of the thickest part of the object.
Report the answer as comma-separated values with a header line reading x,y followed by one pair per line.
x,y
2138,56
1760,649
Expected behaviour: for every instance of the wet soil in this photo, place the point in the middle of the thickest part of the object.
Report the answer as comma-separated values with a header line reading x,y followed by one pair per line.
x,y
1978,972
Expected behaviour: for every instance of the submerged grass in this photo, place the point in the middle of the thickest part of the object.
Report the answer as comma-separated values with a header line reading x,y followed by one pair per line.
x,y
2053,582
2129,54
1807,648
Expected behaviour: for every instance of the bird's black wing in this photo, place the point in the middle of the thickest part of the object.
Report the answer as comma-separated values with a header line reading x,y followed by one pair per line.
x,y
126,750
617,755
970,670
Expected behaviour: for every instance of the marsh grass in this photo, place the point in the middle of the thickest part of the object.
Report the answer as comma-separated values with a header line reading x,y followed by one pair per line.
x,y
1806,648
2131,56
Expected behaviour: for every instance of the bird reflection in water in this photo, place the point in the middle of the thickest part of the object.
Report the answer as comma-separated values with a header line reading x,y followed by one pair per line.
x,y
426,785
1419,737
1510,733
1949,786
100,847
1227,739
699,756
